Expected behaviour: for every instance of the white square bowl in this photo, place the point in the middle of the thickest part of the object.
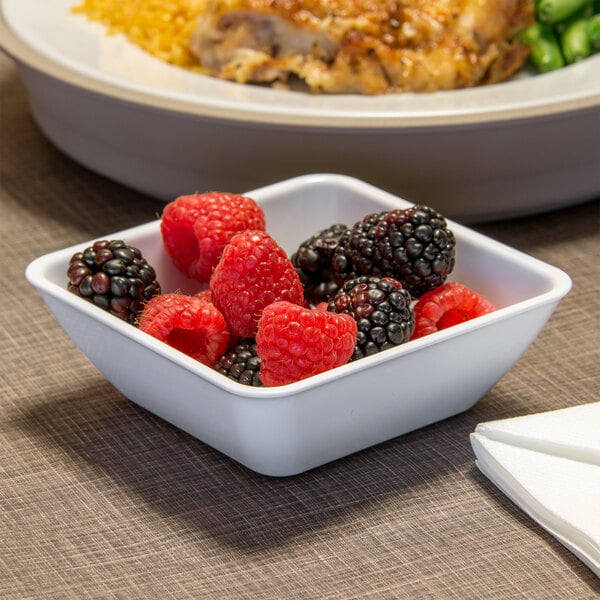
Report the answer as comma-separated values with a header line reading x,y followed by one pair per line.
x,y
286,430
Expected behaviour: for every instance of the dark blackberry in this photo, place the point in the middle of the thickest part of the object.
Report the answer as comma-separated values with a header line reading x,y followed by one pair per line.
x,y
382,311
241,363
115,277
312,261
414,246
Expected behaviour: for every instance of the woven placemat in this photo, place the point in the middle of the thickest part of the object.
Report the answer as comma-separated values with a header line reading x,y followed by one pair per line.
x,y
101,499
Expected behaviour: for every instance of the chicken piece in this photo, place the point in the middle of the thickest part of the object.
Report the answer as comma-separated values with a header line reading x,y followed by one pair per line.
x,y
363,46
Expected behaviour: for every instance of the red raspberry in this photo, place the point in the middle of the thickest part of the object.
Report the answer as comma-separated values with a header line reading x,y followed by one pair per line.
x,y
196,227
204,295
295,342
189,324
252,273
449,304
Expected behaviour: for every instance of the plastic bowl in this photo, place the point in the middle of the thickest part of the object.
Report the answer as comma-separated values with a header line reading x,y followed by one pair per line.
x,y
286,430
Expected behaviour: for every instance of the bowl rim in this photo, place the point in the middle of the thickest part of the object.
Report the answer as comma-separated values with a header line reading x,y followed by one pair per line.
x,y
35,273
24,54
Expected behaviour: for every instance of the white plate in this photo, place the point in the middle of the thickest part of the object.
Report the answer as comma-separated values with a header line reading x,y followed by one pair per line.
x,y
73,42
486,152
287,429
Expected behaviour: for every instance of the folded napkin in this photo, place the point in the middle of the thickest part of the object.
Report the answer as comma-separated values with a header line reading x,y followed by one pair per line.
x,y
549,465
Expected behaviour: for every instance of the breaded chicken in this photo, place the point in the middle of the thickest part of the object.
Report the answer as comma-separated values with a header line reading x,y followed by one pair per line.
x,y
363,46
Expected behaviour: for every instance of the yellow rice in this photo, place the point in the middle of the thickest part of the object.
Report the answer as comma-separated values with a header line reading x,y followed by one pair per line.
x,y
161,27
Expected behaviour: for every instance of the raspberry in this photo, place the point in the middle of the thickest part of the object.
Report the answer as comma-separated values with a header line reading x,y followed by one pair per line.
x,y
295,342
450,304
382,311
196,227
241,363
115,277
252,273
204,295
187,323
414,246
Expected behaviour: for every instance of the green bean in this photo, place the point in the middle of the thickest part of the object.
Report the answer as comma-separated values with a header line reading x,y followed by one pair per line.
x,y
550,12
593,30
575,42
545,54
584,12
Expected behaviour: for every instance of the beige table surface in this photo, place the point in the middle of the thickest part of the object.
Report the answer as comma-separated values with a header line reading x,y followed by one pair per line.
x,y
100,499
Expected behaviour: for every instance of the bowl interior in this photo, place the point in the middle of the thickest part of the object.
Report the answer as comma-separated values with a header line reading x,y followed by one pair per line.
x,y
297,208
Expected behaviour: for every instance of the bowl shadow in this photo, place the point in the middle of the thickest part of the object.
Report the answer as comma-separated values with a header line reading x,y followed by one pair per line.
x,y
180,477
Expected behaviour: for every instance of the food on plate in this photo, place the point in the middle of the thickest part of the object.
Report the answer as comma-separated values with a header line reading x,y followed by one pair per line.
x,y
196,227
382,310
114,276
363,46
381,283
575,42
546,53
161,27
552,12
565,32
190,324
330,46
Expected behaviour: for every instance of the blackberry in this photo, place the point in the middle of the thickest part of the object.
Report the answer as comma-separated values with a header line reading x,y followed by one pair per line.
x,y
382,310
312,261
115,277
241,363
414,246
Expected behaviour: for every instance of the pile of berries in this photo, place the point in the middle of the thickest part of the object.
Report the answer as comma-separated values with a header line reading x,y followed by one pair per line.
x,y
115,277
268,319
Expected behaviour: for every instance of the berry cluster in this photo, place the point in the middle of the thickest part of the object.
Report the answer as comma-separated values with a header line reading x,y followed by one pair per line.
x,y
413,245
382,310
115,277
267,319
195,229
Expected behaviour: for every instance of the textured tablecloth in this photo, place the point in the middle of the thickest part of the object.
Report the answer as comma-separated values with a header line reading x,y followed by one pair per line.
x,y
101,499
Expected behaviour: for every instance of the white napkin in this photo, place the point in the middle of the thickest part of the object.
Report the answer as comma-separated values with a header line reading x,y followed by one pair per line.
x,y
549,465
